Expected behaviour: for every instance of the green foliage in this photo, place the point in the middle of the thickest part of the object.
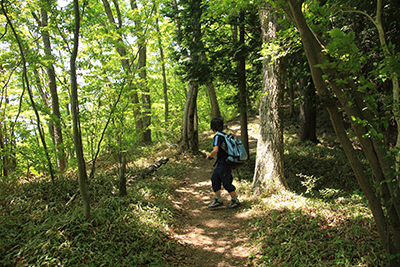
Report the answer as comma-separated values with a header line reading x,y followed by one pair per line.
x,y
42,223
317,169
291,230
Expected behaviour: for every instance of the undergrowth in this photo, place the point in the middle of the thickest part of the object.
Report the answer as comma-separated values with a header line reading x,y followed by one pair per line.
x,y
323,220
42,224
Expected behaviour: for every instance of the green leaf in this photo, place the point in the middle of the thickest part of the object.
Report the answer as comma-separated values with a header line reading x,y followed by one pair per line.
x,y
336,32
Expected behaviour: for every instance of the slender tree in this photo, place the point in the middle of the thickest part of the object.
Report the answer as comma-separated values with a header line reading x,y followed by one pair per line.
x,y
323,61
56,115
244,136
26,83
189,38
145,135
164,77
82,176
127,66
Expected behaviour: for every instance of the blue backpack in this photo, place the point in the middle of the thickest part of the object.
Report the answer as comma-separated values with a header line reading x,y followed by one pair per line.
x,y
237,155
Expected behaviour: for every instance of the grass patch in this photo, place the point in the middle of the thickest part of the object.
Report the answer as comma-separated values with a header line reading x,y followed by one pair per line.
x,y
42,224
324,220
292,230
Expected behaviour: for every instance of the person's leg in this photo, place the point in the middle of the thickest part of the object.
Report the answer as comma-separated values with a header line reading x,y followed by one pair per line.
x,y
227,180
233,195
216,186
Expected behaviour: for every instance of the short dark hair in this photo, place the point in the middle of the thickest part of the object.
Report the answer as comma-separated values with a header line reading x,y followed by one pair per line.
x,y
217,124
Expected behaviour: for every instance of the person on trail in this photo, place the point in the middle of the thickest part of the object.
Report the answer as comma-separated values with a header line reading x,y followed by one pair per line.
x,y
223,172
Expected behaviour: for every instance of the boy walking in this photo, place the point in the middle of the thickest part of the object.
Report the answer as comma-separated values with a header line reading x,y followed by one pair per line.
x,y
223,172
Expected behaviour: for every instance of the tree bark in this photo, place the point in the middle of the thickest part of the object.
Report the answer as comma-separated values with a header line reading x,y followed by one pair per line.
x,y
145,133
55,106
268,174
121,49
82,175
28,87
165,87
215,111
122,177
45,101
190,136
308,113
244,136
371,147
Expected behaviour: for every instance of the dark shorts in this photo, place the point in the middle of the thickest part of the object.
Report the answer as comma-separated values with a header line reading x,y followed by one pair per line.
x,y
222,175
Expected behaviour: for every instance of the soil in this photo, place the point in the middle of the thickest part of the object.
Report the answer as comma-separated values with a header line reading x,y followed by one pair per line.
x,y
209,237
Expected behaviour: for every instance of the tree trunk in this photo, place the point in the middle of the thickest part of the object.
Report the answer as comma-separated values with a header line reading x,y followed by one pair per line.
x,y
291,97
244,137
3,155
215,111
165,87
371,147
394,77
146,102
190,136
56,118
82,176
121,49
308,113
122,177
26,82
269,161
145,133
45,101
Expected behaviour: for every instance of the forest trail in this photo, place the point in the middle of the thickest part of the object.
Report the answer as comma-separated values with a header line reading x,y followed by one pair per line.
x,y
208,237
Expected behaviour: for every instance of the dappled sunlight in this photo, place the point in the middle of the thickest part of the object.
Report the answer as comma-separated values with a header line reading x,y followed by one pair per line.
x,y
330,231
218,231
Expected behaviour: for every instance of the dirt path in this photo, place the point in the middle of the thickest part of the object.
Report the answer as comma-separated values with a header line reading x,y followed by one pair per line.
x,y
208,237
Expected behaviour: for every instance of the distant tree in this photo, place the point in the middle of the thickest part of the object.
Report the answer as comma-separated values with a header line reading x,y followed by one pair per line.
x,y
164,76
23,51
187,18
56,115
145,135
122,50
308,111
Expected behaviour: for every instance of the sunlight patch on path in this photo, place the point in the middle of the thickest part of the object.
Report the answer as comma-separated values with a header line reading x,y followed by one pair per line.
x,y
211,237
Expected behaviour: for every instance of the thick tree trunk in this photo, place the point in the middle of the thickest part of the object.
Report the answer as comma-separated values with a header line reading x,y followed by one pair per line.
x,y
269,161
82,176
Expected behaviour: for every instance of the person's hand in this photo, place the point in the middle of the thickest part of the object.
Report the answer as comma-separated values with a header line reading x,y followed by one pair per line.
x,y
208,158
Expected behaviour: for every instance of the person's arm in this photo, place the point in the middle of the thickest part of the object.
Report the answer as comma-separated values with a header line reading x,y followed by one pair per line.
x,y
213,153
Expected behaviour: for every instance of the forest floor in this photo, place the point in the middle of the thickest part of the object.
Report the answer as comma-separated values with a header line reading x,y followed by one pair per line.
x,y
209,237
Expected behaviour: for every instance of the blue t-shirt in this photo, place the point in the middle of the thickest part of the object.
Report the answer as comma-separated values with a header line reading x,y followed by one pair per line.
x,y
222,155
